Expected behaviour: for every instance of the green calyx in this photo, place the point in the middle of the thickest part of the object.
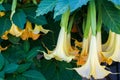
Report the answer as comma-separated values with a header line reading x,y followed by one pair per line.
x,y
64,19
93,16
87,26
99,21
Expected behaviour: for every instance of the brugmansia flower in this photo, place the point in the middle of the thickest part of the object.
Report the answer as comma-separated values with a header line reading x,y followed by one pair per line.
x,y
113,53
62,52
2,14
14,30
2,49
82,57
110,42
92,67
29,32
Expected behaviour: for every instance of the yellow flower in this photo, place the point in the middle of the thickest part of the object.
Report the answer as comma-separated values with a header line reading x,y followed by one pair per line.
x,y
92,67
29,32
15,31
2,14
2,49
63,51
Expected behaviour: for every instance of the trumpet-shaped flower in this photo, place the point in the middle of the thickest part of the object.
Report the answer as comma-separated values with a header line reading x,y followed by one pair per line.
x,y
14,30
63,51
2,14
113,54
29,32
92,67
110,42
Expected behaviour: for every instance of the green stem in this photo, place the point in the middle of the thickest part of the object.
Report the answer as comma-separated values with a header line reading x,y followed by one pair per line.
x,y
64,19
71,23
93,16
87,27
99,22
14,4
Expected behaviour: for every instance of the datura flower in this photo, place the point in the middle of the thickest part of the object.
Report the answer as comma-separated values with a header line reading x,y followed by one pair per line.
x,y
63,51
92,66
113,54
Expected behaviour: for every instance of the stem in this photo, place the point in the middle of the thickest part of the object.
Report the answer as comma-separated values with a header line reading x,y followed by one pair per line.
x,y
64,19
99,22
14,4
71,23
87,27
93,16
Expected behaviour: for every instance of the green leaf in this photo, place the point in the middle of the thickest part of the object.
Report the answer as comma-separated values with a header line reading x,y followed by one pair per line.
x,y
10,68
111,16
19,18
20,77
32,53
2,75
31,16
33,75
23,67
1,61
5,24
13,39
58,70
45,6
40,20
61,7
116,2
2,8
75,4
26,45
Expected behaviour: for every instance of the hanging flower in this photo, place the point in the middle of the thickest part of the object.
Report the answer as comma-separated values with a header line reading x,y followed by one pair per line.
x,y
14,30
63,51
92,67
29,32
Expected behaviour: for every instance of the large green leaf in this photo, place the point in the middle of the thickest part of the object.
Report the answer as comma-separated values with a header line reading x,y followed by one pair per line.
x,y
75,4
61,7
23,67
111,16
5,24
33,75
1,61
19,18
31,16
2,8
45,6
2,75
116,2
10,68
32,53
56,70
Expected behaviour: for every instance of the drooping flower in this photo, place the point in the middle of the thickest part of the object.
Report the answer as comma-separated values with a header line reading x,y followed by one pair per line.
x,y
2,49
113,53
14,30
92,67
29,32
62,52
2,14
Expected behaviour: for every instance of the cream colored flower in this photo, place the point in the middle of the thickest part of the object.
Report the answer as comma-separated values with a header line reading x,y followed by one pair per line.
x,y
63,51
92,67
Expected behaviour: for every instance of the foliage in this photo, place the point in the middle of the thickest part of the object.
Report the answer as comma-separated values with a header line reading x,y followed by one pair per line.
x,y
23,59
